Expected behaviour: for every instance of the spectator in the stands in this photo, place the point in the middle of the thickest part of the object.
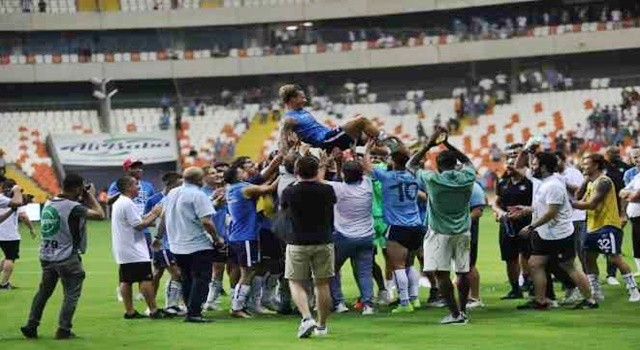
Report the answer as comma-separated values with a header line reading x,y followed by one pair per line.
x,y
178,110
522,25
422,135
264,113
349,92
225,96
496,153
363,91
164,103
192,108
26,5
164,121
42,6
454,125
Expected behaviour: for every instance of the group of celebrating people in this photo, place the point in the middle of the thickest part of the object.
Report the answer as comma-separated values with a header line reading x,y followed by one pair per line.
x,y
283,229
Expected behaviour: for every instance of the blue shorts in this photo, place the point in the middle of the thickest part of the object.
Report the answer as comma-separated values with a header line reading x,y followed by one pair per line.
x,y
607,240
337,138
245,253
163,258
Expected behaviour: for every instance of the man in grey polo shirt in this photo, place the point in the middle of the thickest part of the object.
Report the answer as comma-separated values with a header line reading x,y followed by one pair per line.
x,y
63,231
192,237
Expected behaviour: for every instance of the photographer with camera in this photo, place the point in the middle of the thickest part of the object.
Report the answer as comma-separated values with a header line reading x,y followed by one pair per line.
x,y
63,240
10,236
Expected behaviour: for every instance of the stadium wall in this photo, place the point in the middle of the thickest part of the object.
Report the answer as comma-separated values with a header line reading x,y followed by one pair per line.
x,y
231,16
304,63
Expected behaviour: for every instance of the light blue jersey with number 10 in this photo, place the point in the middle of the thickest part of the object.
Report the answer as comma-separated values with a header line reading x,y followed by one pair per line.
x,y
399,197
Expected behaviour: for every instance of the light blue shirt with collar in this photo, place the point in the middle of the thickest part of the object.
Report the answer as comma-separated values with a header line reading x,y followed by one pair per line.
x,y
184,207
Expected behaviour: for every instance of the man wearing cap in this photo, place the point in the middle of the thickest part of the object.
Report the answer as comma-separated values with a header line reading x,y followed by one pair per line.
x,y
133,167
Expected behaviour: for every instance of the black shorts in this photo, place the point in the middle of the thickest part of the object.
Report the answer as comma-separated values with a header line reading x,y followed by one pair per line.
x,y
512,247
221,254
245,253
270,246
561,249
473,252
163,258
337,138
409,237
135,272
10,249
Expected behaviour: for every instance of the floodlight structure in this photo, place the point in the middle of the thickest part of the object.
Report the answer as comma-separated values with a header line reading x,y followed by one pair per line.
x,y
103,90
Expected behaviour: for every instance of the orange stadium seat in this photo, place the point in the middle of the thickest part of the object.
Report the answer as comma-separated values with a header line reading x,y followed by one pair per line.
x,y
537,108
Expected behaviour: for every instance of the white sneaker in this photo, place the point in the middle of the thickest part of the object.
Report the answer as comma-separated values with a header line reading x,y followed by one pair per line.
x,y
612,281
473,303
450,319
383,298
175,310
634,295
147,312
572,296
438,303
261,310
118,294
367,310
321,332
554,304
341,308
598,295
212,306
306,328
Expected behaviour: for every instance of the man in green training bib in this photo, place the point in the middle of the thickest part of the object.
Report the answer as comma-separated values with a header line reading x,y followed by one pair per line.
x,y
63,225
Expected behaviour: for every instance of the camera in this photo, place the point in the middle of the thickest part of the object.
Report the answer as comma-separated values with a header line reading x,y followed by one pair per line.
x,y
87,186
26,198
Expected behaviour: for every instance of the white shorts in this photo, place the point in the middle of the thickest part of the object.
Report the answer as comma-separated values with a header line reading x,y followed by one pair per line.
x,y
440,251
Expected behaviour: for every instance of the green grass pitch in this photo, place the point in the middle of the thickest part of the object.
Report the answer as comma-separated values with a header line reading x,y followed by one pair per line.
x,y
99,323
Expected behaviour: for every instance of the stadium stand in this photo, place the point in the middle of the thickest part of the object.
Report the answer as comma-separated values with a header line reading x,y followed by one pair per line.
x,y
48,6
201,138
23,137
150,46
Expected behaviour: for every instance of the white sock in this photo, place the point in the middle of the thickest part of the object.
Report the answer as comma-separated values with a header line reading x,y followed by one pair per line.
x,y
391,284
594,283
214,291
240,297
173,293
255,294
211,296
414,282
402,281
637,260
631,283
269,288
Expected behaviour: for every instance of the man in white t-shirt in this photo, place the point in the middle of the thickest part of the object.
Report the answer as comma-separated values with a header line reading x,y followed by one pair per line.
x,y
631,196
353,239
573,179
130,248
550,233
10,237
